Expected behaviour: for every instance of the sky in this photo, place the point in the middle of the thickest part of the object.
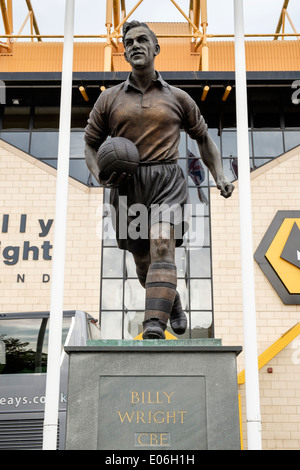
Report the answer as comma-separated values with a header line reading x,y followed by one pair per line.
x,y
261,16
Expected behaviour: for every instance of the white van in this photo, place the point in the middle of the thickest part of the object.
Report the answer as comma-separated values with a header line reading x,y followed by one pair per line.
x,y
23,367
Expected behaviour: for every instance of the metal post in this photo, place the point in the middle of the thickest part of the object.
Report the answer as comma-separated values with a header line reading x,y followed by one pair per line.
x,y
58,267
249,309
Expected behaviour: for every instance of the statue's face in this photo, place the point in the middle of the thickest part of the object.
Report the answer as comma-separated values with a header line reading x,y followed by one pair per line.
x,y
140,49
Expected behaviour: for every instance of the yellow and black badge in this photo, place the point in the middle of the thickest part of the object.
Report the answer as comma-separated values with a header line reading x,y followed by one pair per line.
x,y
278,255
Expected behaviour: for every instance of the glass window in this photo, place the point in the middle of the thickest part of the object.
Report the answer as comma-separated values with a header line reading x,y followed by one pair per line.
x,y
46,118
182,145
182,163
112,294
229,144
51,161
112,262
230,168
133,323
201,325
77,145
24,345
193,147
92,181
198,234
44,144
291,139
134,295
200,294
79,170
18,139
261,161
180,261
108,232
130,265
111,325
267,143
182,288
197,171
16,117
199,200
215,135
200,262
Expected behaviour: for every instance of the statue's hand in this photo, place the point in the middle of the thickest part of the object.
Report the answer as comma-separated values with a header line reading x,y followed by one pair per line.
x,y
226,188
114,180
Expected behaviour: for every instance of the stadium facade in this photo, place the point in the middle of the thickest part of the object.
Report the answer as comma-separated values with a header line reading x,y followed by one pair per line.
x,y
99,278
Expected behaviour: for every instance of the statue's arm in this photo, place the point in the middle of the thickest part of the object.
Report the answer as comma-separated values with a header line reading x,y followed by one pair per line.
x,y
91,160
212,159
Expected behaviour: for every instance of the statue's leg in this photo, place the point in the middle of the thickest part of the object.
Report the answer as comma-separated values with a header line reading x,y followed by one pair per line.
x,y
142,263
161,281
178,320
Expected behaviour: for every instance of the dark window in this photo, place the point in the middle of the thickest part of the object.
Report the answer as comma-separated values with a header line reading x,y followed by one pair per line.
x,y
291,111
24,345
46,118
16,117
79,117
266,110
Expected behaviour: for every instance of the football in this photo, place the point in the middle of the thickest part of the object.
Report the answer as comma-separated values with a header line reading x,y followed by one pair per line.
x,y
118,155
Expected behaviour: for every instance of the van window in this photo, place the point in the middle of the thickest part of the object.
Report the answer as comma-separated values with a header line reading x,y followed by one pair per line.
x,y
24,344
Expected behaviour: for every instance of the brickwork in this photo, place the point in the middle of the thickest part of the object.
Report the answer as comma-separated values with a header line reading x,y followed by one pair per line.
x,y
275,186
27,196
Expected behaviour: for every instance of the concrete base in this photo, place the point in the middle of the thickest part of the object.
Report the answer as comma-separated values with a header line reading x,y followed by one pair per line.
x,y
153,395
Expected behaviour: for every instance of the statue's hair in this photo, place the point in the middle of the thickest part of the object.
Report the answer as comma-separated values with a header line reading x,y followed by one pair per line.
x,y
135,24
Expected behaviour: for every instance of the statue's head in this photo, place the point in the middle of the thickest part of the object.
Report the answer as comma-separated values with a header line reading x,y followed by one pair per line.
x,y
136,24
140,43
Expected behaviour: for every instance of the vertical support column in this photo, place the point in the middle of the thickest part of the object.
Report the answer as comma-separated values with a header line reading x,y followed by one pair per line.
x,y
204,48
6,16
10,15
58,267
108,48
249,308
116,7
31,24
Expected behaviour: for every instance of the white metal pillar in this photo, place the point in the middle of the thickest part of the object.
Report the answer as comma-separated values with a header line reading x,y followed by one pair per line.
x,y
249,308
58,267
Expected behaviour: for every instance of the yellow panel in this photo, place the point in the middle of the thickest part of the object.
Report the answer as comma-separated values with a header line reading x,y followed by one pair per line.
x,y
176,54
168,336
288,273
274,349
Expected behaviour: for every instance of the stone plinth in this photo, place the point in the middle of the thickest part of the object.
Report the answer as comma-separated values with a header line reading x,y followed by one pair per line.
x,y
153,395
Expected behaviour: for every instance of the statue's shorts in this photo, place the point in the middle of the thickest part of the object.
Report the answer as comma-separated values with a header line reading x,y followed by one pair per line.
x,y
156,193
